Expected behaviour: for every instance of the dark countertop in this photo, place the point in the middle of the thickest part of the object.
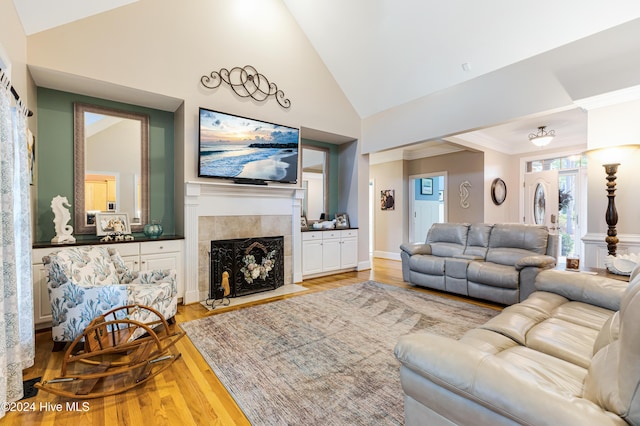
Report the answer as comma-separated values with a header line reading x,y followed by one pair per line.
x,y
96,240
322,230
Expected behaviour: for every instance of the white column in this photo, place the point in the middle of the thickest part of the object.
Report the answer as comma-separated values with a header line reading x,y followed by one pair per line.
x,y
191,203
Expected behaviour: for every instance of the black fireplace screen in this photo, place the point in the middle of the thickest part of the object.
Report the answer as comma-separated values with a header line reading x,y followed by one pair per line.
x,y
254,265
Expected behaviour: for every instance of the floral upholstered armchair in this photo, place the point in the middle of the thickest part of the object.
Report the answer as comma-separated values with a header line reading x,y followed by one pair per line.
x,y
85,282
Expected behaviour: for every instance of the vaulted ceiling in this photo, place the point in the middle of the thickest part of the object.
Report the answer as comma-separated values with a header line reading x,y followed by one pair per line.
x,y
385,53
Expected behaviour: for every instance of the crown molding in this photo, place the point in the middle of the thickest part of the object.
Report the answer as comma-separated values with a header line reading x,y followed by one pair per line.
x,y
612,98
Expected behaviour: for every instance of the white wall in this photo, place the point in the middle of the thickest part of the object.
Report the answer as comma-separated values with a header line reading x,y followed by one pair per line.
x,y
498,165
611,128
389,231
13,46
13,49
164,47
547,82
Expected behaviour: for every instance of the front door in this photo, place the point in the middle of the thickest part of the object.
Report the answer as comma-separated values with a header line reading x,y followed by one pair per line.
x,y
541,199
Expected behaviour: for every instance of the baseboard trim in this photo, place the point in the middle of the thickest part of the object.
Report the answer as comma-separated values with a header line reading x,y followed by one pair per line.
x,y
364,265
386,255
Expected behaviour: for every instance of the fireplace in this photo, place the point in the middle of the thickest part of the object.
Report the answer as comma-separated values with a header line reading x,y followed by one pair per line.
x,y
254,265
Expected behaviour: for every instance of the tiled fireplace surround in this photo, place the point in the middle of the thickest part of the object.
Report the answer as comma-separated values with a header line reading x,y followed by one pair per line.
x,y
217,211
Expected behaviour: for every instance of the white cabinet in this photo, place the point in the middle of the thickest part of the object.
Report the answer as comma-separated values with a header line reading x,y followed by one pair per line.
x,y
138,256
41,304
311,253
349,248
326,252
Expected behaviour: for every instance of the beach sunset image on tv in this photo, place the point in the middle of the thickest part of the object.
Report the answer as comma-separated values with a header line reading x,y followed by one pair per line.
x,y
241,148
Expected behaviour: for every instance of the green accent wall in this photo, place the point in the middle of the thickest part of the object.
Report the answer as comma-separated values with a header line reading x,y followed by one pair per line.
x,y
54,158
333,172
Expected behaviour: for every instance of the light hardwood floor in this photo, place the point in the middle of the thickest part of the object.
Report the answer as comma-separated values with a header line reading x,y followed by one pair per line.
x,y
188,393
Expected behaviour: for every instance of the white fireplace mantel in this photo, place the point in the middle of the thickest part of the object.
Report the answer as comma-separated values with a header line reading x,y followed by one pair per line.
x,y
228,199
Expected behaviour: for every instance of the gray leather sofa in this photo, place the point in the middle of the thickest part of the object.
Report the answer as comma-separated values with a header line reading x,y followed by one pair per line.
x,y
492,262
567,355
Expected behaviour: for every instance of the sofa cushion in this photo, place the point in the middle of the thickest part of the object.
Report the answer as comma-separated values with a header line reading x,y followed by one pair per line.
x,y
124,274
551,324
527,237
478,240
563,339
447,239
507,256
487,341
601,384
583,314
493,274
456,268
427,264
609,333
515,322
87,265
590,289
510,242
544,370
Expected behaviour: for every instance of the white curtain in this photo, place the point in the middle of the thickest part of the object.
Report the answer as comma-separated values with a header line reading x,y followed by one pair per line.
x,y
17,346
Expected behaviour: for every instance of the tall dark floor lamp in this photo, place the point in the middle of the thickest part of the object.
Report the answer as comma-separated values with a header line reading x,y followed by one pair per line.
x,y
611,215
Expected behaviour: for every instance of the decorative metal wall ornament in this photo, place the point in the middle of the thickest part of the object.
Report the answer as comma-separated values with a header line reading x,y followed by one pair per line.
x,y
464,194
246,82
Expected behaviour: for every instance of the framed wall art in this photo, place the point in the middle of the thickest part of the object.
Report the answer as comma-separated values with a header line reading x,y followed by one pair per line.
x,y
387,199
426,186
112,223
342,220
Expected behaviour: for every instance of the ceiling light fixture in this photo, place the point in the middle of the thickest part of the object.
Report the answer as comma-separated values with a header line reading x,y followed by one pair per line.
x,y
542,137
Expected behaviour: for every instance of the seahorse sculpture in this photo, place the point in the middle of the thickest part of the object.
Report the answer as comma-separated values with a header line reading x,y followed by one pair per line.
x,y
464,194
61,217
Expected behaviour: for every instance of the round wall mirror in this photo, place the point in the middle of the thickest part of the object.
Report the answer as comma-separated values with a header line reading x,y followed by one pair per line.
x,y
498,191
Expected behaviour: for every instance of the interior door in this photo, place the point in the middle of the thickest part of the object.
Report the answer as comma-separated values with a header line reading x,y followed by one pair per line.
x,y
541,199
426,208
425,214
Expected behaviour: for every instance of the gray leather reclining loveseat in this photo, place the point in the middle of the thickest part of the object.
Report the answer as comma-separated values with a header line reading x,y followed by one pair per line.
x,y
492,262
568,355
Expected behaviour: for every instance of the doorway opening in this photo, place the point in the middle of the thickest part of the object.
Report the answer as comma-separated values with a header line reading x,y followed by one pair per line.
x,y
572,197
427,194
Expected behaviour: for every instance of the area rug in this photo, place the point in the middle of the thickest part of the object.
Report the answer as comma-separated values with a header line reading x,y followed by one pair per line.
x,y
237,301
326,357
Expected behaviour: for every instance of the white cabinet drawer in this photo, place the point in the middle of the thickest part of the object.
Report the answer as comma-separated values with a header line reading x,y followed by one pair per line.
x,y
328,235
164,246
125,249
310,236
348,233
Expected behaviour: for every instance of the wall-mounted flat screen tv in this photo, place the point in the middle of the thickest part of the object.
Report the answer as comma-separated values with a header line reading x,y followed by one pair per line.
x,y
247,150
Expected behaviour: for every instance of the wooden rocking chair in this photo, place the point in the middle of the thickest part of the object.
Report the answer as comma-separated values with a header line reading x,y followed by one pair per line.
x,y
119,350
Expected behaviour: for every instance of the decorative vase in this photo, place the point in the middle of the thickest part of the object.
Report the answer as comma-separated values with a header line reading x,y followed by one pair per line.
x,y
152,230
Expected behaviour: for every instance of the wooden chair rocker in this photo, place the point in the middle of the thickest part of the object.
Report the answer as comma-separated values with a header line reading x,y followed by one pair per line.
x,y
119,351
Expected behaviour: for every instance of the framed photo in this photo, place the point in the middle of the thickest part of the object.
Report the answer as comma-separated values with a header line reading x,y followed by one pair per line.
x,y
426,186
387,199
342,220
111,206
303,222
112,223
